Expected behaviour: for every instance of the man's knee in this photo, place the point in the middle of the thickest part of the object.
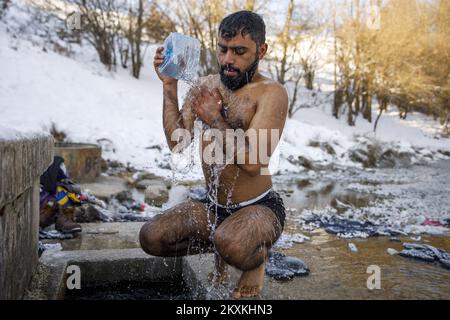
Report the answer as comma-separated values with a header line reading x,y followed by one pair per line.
x,y
236,252
151,238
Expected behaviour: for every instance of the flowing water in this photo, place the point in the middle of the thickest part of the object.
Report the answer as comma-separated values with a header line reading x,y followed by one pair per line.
x,y
336,271
398,197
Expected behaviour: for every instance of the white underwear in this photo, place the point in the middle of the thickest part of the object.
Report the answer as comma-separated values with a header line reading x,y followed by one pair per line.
x,y
242,204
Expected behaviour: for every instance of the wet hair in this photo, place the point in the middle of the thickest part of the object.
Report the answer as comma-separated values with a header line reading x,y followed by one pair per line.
x,y
244,22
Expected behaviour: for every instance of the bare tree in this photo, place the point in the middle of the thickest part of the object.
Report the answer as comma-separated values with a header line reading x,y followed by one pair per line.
x,y
403,63
134,36
4,6
293,54
101,25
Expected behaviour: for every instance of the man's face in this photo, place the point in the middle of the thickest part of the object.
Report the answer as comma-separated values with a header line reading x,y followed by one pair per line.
x,y
238,59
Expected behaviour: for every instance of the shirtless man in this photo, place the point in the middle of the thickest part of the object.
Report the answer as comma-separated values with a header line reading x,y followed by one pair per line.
x,y
243,216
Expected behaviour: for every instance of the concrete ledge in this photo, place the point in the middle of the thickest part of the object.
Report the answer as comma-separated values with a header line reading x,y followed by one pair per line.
x,y
99,266
21,162
23,159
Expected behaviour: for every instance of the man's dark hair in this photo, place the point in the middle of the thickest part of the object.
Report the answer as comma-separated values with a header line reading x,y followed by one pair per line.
x,y
244,22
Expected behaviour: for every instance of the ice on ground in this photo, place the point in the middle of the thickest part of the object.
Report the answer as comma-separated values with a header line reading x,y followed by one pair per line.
x,y
287,240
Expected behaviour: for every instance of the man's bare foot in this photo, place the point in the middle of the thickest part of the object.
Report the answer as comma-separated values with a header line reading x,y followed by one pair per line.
x,y
251,283
220,274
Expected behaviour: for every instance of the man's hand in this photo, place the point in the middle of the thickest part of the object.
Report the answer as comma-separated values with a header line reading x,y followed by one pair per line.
x,y
157,62
208,105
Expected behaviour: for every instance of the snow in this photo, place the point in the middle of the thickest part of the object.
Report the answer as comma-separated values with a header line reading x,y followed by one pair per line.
x,y
87,103
417,129
124,114
8,134
398,198
288,240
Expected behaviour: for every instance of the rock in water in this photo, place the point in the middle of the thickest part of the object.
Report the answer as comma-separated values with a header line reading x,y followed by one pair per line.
x,y
125,196
392,251
93,213
416,254
54,234
352,247
445,263
198,193
284,268
133,217
427,253
156,194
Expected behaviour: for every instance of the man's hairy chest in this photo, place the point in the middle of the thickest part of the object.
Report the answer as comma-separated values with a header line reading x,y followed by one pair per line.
x,y
238,109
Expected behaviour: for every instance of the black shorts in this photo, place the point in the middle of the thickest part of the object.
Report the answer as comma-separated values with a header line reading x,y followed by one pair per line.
x,y
272,200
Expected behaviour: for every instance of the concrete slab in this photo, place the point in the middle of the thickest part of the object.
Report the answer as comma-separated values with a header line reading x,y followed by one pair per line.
x,y
99,266
101,235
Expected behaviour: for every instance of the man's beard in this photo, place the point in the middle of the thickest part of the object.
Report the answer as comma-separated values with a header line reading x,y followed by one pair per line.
x,y
242,78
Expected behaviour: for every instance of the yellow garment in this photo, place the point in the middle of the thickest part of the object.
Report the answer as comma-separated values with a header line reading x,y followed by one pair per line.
x,y
62,196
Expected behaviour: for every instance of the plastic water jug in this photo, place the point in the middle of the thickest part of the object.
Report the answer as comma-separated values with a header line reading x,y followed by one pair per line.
x,y
181,57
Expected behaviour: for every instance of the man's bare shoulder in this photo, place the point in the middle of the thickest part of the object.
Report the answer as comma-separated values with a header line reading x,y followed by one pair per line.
x,y
271,90
270,86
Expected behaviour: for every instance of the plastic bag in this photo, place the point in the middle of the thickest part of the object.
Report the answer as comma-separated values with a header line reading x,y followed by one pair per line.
x,y
182,56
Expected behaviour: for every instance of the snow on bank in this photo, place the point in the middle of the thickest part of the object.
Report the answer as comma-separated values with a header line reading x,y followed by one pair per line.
x,y
39,88
9,134
413,200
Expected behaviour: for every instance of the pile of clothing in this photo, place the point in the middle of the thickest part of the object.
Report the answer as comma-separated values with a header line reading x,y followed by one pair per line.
x,y
427,253
59,196
345,228
283,268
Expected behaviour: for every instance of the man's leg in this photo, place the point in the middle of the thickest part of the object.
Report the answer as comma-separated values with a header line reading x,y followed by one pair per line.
x,y
219,275
243,241
181,230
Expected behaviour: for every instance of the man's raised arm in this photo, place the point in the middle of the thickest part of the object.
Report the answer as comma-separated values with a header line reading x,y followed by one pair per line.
x,y
173,118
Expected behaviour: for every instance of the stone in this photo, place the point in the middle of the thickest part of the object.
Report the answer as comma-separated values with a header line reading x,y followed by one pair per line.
x,y
444,152
92,213
302,161
156,194
283,268
352,247
198,193
105,187
144,183
178,194
22,162
391,251
124,196
146,176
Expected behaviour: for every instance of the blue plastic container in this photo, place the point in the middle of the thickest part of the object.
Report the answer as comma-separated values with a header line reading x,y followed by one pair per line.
x,y
182,56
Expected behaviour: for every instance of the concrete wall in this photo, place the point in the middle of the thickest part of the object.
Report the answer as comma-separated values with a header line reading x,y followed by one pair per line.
x,y
22,161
